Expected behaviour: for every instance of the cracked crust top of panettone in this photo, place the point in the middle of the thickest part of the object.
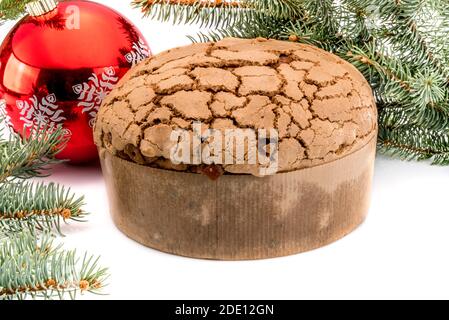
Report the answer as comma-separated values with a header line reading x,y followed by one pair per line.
x,y
321,106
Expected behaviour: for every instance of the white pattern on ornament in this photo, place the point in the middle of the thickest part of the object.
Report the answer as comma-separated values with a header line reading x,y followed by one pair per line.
x,y
4,117
38,114
92,93
139,53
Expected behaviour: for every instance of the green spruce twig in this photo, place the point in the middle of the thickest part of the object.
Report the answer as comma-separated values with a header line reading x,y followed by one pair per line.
x,y
12,9
27,205
39,269
30,206
29,155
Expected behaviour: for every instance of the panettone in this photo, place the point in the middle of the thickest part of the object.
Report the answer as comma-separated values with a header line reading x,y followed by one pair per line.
x,y
321,105
325,116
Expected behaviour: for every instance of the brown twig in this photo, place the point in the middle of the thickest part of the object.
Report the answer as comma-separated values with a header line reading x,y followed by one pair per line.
x,y
198,3
393,144
65,213
50,284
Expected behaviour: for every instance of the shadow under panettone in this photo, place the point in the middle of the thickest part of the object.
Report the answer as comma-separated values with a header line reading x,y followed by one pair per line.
x,y
240,217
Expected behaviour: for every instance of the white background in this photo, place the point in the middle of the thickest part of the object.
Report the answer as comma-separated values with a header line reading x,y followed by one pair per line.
x,y
400,252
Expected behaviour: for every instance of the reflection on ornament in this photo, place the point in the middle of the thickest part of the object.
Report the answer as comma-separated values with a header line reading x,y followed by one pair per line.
x,y
92,93
139,53
35,113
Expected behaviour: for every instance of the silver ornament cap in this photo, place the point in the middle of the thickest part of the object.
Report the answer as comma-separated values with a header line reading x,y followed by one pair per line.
x,y
40,7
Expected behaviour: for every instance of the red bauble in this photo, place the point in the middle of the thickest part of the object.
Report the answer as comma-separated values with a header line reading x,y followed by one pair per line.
x,y
57,68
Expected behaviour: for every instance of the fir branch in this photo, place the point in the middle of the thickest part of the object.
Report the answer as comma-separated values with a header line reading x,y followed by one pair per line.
x,y
208,13
39,269
12,9
415,143
217,13
275,9
30,206
387,75
200,3
266,27
324,13
404,34
26,157
428,90
394,116
422,95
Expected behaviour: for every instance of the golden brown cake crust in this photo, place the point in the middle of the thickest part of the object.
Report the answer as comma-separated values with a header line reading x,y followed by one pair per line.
x,y
322,107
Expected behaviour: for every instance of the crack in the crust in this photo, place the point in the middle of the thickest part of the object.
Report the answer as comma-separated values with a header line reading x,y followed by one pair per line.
x,y
178,114
334,81
152,144
284,81
349,147
337,95
277,117
145,116
291,115
304,146
289,112
240,81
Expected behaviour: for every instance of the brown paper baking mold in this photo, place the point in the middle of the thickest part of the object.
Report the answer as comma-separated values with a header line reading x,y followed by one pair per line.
x,y
240,217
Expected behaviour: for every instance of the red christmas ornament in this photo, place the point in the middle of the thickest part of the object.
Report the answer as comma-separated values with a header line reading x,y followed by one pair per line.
x,y
58,64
